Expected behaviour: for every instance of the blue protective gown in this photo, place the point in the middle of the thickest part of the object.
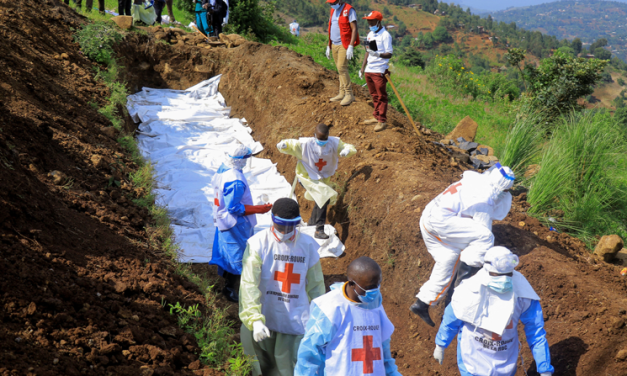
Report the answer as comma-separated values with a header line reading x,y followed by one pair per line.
x,y
320,331
533,321
229,246
201,19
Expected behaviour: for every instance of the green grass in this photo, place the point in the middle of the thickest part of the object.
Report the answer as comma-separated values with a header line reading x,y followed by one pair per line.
x,y
584,173
211,327
438,108
523,141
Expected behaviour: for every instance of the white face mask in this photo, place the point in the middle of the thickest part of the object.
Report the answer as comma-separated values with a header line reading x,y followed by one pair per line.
x,y
281,236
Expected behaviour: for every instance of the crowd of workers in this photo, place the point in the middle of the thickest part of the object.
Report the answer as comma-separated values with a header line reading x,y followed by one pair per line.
x,y
292,327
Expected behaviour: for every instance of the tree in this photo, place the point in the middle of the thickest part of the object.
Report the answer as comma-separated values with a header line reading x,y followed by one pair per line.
x,y
567,51
440,34
576,45
386,12
514,57
427,39
621,82
412,58
560,80
599,43
602,53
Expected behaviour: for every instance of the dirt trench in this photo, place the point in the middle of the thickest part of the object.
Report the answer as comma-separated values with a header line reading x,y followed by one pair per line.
x,y
382,193
80,281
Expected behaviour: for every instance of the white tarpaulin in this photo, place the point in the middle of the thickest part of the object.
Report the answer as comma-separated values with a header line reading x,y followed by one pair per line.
x,y
185,134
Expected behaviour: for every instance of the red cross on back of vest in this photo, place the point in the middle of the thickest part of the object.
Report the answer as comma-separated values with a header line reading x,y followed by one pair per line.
x,y
287,278
452,189
367,355
320,164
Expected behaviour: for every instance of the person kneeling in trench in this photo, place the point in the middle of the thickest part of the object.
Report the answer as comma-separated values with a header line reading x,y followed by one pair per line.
x,y
317,162
280,276
348,332
485,311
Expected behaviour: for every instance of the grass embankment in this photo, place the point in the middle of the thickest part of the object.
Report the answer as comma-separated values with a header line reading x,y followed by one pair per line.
x,y
432,99
581,187
209,324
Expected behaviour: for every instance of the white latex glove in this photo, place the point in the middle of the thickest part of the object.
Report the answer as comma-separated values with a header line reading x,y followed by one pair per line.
x,y
281,145
374,53
546,374
344,152
328,53
260,331
438,354
361,75
349,52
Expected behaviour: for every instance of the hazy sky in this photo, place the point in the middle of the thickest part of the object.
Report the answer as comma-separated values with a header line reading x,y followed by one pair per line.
x,y
494,5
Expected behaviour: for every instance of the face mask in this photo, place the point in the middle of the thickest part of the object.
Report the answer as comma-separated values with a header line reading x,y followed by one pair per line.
x,y
281,236
321,143
374,28
370,295
501,284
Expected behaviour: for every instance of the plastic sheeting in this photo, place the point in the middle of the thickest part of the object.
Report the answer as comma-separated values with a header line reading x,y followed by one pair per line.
x,y
185,134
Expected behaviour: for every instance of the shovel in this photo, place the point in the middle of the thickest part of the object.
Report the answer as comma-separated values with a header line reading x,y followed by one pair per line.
x,y
387,76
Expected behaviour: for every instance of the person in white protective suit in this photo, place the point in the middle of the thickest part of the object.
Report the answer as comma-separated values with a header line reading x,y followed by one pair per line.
x,y
318,158
295,28
234,216
485,311
348,332
281,275
457,230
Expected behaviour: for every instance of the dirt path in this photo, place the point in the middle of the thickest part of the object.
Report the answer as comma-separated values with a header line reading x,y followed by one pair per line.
x,y
80,282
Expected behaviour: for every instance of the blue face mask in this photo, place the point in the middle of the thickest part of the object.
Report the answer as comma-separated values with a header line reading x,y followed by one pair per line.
x,y
374,28
370,296
321,143
501,284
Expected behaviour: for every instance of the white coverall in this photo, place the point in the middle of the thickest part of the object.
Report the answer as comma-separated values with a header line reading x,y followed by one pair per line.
x,y
459,219
279,280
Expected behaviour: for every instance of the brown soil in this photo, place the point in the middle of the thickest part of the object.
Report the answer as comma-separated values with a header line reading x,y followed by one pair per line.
x,y
81,285
62,246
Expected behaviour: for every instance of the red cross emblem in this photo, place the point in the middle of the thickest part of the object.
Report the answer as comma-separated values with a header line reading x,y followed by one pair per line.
x,y
287,278
367,355
320,164
496,337
452,189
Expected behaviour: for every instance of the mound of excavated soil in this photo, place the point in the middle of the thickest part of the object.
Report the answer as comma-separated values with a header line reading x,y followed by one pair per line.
x,y
80,282
81,286
383,190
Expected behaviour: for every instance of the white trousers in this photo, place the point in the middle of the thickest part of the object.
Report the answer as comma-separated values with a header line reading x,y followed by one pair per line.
x,y
445,241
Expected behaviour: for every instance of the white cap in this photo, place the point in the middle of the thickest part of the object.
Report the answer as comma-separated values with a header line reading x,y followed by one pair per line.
x,y
500,260
238,157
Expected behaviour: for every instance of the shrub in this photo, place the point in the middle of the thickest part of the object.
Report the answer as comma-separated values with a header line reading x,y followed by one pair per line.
x,y
620,81
560,80
412,58
523,140
97,40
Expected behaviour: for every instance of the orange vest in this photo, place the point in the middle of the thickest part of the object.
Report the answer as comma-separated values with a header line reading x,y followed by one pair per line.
x,y
345,26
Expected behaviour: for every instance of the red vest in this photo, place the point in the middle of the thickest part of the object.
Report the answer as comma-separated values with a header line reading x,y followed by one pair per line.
x,y
345,26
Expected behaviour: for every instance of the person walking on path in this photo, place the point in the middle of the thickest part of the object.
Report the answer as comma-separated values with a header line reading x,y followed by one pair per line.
x,y
234,216
343,37
295,28
375,67
318,158
280,276
348,332
484,315
460,219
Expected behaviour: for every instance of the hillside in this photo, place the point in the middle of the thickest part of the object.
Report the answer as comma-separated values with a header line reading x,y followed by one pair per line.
x,y
588,20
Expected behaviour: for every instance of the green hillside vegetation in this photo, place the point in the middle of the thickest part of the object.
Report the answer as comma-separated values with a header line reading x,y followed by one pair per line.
x,y
588,20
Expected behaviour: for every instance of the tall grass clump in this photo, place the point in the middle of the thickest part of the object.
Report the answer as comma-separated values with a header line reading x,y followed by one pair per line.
x,y
523,140
584,174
